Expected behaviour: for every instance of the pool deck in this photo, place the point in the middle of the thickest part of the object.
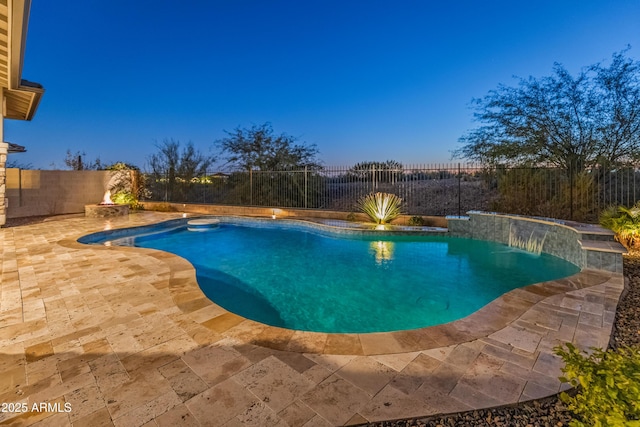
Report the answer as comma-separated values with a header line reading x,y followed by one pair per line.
x,y
125,337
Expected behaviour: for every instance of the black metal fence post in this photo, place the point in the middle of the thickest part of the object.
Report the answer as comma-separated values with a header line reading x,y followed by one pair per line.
x,y
571,184
250,187
305,188
459,191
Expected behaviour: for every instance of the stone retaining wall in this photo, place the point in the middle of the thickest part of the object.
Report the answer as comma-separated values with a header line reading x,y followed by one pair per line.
x,y
432,221
585,245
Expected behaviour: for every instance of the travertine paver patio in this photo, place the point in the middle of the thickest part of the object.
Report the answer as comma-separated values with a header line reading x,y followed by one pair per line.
x,y
125,337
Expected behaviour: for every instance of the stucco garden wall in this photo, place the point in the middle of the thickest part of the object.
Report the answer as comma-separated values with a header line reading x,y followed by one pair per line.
x,y
52,192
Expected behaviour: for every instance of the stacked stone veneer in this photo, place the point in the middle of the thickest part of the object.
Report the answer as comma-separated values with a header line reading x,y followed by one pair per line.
x,y
585,245
105,211
4,149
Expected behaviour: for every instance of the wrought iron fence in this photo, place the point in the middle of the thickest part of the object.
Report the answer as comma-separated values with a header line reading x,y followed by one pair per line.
x,y
450,189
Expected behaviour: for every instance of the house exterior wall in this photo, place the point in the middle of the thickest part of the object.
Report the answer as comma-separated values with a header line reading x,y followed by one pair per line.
x,y
45,192
4,148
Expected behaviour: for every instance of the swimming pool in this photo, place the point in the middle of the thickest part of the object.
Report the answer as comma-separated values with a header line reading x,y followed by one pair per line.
x,y
317,278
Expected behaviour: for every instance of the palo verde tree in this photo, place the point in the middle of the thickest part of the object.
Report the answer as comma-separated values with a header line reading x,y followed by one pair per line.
x,y
565,121
259,148
173,169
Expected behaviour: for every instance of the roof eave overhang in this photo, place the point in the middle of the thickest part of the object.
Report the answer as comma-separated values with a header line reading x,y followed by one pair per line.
x,y
21,97
22,102
15,148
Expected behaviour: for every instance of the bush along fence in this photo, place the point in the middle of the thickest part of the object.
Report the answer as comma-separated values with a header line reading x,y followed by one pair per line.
x,y
450,189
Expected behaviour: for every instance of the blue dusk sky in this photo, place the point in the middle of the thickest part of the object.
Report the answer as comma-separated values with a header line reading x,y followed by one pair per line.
x,y
363,80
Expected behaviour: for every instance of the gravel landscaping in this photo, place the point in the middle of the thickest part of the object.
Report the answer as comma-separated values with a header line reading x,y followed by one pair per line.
x,y
548,412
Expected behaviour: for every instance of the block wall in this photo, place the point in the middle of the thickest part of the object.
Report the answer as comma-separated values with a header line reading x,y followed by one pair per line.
x,y
49,192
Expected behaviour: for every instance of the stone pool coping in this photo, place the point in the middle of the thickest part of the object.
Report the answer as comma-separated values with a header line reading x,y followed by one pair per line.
x,y
126,337
491,318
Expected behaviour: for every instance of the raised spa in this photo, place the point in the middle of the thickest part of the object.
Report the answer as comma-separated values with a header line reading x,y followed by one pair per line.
x,y
311,278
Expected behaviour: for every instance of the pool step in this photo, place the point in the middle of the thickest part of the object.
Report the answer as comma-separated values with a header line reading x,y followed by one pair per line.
x,y
594,232
607,236
603,246
203,224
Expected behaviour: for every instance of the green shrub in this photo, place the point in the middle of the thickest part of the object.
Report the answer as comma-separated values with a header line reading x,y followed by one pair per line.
x,y
127,198
545,192
417,221
623,221
381,207
608,386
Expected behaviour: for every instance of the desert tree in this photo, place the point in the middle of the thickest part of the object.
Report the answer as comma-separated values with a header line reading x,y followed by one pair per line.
x,y
271,169
571,122
172,165
387,171
170,160
259,148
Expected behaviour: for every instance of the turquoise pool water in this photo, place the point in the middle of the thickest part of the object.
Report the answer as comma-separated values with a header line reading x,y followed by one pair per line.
x,y
297,278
